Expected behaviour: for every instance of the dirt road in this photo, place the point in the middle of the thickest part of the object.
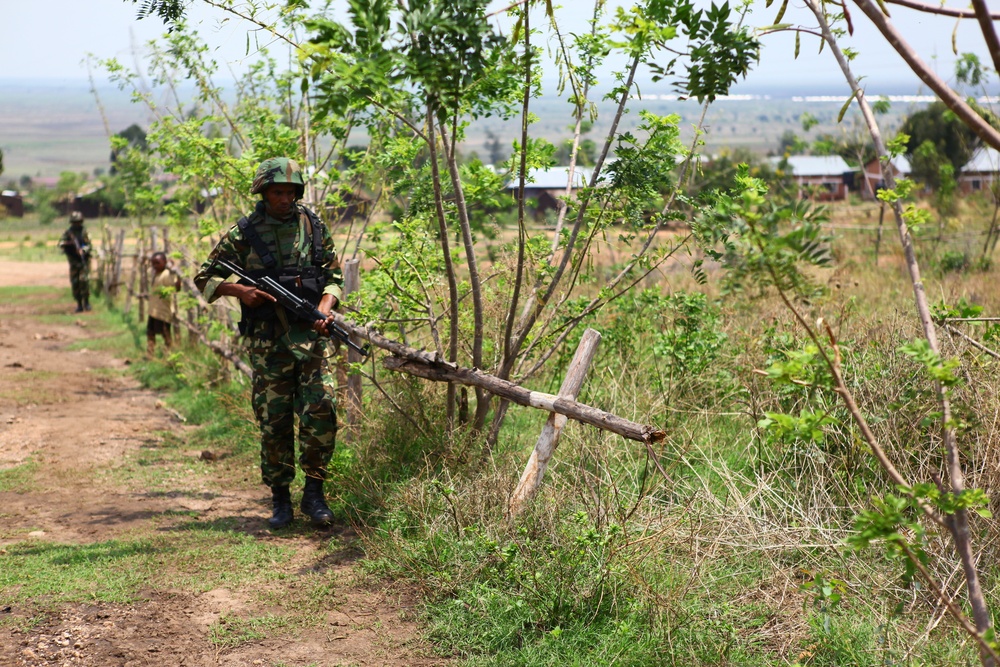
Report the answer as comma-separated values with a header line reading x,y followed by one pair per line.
x,y
95,472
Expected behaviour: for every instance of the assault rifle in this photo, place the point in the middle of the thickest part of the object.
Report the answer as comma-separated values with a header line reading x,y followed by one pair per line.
x,y
82,251
296,305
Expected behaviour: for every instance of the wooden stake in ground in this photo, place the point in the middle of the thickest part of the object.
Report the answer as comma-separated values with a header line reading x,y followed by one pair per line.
x,y
116,279
531,478
352,281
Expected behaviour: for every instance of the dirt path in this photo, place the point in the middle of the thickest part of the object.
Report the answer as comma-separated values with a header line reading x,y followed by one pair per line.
x,y
79,440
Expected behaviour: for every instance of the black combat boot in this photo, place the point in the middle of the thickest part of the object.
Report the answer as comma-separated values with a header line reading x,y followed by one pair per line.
x,y
79,306
281,500
314,504
86,304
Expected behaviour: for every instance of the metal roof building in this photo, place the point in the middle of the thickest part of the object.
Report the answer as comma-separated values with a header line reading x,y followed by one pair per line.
x,y
815,165
553,178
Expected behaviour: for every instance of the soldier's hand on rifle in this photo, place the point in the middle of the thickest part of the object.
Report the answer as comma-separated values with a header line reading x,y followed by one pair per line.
x,y
254,297
249,295
326,305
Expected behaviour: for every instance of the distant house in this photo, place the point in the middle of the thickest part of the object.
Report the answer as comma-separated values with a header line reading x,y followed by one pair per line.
x,y
820,177
545,186
12,202
872,180
88,204
980,171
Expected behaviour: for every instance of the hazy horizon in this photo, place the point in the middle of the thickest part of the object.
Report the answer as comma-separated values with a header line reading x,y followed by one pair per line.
x,y
772,89
47,127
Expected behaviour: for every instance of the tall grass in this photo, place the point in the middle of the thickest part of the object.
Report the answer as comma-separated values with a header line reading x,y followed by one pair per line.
x,y
738,555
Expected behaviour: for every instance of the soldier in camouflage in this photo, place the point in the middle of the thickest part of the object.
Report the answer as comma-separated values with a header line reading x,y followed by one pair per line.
x,y
283,239
75,243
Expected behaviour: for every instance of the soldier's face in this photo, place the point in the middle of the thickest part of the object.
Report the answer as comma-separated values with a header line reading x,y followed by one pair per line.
x,y
279,198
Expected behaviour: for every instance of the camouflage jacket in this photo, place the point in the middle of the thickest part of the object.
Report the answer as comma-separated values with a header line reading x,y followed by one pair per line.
x,y
75,234
289,241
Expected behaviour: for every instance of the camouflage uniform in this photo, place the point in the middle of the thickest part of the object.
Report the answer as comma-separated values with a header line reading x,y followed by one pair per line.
x,y
291,375
79,262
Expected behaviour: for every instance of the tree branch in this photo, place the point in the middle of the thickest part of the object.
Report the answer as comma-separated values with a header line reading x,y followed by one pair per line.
x,y
937,9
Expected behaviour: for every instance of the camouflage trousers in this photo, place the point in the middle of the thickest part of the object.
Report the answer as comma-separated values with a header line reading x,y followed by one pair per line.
x,y
289,381
79,280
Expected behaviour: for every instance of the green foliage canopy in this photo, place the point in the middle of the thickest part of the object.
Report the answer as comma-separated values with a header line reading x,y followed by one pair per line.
x,y
936,135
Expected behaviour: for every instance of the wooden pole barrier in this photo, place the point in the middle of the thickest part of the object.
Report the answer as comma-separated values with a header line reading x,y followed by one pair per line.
x,y
442,372
548,440
130,292
431,366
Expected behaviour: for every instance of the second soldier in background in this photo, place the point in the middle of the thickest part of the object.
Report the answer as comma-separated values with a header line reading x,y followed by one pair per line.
x,y
75,243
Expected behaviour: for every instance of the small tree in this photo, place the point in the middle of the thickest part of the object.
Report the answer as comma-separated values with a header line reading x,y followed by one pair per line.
x,y
936,136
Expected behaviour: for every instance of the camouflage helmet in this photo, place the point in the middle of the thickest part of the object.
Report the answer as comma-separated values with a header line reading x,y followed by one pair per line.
x,y
278,170
75,217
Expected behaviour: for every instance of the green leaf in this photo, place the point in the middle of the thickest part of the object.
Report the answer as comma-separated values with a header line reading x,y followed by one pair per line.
x,y
798,43
843,109
781,12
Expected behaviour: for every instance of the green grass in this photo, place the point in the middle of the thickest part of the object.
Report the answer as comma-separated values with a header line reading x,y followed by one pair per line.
x,y
44,573
194,556
167,465
23,388
19,295
231,630
578,597
37,250
19,479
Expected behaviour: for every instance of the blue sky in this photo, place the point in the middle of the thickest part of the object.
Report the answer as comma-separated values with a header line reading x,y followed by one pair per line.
x,y
45,40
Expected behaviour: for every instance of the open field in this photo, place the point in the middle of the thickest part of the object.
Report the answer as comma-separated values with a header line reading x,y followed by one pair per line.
x,y
48,129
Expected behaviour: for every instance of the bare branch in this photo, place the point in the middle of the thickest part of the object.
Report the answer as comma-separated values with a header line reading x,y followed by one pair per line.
x,y
441,372
938,9
988,30
506,9
430,365
971,341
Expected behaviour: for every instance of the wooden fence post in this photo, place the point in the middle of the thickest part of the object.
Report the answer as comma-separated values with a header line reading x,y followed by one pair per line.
x,y
130,291
107,260
141,270
137,274
531,478
352,281
119,250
